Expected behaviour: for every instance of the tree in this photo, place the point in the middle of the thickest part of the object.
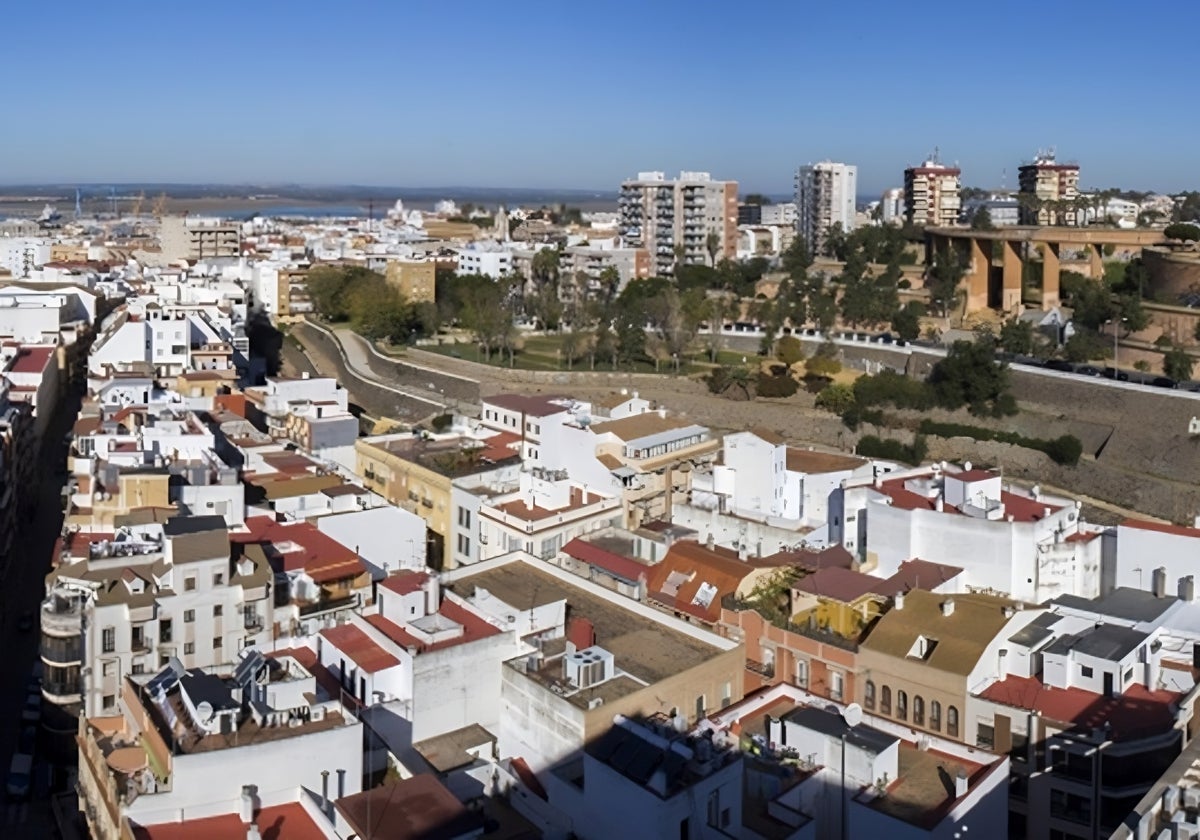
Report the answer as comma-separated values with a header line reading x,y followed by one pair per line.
x,y
1177,363
981,219
1016,336
1086,345
970,375
789,350
796,260
836,397
575,345
906,323
943,280
712,244
1182,231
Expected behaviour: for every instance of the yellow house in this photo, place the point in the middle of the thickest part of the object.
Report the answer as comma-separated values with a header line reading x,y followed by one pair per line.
x,y
837,599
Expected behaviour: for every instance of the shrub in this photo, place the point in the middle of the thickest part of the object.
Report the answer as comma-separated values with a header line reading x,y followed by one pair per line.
x,y
718,380
889,387
1065,450
822,366
789,350
892,450
442,422
776,386
836,398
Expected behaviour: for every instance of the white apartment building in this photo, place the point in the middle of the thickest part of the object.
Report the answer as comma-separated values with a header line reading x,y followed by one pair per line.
x,y
1154,557
825,196
1023,544
592,260
674,219
160,339
485,261
931,194
22,255
891,206
124,603
1047,182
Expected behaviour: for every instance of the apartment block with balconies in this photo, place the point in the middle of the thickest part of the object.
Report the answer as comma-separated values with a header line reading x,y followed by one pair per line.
x,y
690,220
931,194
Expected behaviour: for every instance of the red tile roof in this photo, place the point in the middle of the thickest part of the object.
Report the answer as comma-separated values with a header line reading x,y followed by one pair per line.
x,y
474,629
32,360
360,647
1136,713
279,822
405,583
321,557
917,574
973,475
1161,527
844,585
528,405
1021,508
594,555
697,565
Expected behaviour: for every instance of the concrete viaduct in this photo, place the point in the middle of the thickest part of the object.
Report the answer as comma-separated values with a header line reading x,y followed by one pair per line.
x,y
994,271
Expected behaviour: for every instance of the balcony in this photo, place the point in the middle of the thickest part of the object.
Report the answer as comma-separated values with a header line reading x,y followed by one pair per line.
x,y
62,693
62,615
62,651
254,622
762,669
328,605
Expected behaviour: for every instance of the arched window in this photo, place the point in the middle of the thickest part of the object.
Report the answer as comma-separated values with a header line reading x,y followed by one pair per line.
x,y
869,695
935,715
885,700
918,710
952,721
901,705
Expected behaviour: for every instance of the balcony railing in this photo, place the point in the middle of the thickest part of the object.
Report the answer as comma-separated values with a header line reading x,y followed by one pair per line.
x,y
328,605
62,651
763,670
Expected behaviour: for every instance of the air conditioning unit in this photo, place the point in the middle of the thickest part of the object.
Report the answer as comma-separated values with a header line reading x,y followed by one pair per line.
x,y
588,667
317,713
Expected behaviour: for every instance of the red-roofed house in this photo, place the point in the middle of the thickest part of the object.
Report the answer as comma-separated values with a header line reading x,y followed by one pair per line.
x,y
33,378
426,650
1004,539
323,576
691,580
291,821
600,565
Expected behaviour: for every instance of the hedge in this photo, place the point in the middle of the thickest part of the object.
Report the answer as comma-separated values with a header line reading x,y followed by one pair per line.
x,y
1064,450
870,446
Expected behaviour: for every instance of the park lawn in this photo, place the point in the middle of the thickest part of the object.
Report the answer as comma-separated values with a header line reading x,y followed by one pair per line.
x,y
540,352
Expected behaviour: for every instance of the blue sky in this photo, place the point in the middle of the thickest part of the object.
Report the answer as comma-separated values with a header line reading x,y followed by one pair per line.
x,y
565,94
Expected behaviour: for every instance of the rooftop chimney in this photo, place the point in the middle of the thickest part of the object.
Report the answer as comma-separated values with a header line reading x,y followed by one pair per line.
x,y
1159,582
939,504
325,791
948,606
246,811
899,601
960,784
1187,588
966,466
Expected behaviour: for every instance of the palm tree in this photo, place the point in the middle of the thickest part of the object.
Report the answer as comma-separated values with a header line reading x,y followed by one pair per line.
x,y
712,243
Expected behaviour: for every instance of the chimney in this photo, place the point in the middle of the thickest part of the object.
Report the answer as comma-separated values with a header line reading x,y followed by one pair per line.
x,y
325,791
252,832
898,601
1002,665
304,375
1159,582
246,811
341,783
433,594
966,466
960,784
948,607
1187,588
710,542
1045,513
939,504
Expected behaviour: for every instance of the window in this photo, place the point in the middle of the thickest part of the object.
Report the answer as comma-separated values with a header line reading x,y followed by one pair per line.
x,y
138,668
902,705
218,578
802,673
699,706
714,808
189,648
1020,748
108,641
217,642
1128,675
189,584
726,694
164,630
918,710
985,736
885,700
836,685
1085,671
935,715
218,610
189,616
869,695
464,518
952,721
107,669
464,545
109,701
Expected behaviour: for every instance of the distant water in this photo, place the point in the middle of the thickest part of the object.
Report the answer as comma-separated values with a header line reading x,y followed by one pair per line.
x,y
312,211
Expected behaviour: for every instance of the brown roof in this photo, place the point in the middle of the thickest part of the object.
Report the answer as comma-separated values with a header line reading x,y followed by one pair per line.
x,y
811,461
767,435
201,545
531,406
918,574
676,580
641,425
838,584
960,637
418,808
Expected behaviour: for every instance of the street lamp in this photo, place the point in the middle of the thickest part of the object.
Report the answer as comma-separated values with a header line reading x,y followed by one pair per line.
x,y
1116,322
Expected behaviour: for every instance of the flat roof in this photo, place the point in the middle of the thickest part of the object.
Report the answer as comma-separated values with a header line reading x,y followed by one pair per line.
x,y
417,808
810,461
448,751
644,647
534,406
1111,642
279,822
1134,713
1124,602
833,724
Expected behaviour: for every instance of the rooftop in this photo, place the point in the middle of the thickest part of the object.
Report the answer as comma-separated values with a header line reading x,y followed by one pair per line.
x,y
360,648
1135,713
618,565
449,751
32,360
693,579
917,574
418,808
838,584
278,822
1021,508
301,546
642,646
642,425
1124,602
812,462
519,509
1111,642
1161,527
451,457
474,628
958,639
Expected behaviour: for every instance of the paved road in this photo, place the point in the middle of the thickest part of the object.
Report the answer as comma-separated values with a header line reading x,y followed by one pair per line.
x,y
24,588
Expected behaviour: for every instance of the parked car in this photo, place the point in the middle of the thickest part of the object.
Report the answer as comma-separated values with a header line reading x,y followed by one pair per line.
x,y
1060,365
20,770
1088,370
1164,382
1114,373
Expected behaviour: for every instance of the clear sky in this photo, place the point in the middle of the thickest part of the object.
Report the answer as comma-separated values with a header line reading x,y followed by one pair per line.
x,y
569,94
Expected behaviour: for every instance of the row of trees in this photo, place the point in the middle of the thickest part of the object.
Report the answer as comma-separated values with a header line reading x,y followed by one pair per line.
x,y
374,308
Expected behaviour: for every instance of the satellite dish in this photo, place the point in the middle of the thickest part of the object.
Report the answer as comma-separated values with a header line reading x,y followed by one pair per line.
x,y
853,715
204,711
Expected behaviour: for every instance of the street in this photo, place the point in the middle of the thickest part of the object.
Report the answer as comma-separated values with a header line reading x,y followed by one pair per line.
x,y
24,589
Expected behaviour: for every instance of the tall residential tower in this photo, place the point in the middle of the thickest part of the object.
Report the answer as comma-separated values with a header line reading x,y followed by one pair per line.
x,y
692,219
931,194
824,197
1048,190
